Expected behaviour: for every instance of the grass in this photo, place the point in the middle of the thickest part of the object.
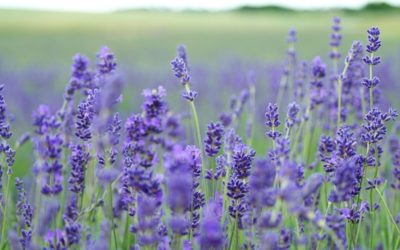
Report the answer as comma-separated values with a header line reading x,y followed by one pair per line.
x,y
148,39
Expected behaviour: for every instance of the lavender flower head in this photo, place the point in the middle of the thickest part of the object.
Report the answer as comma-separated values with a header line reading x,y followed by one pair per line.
x,y
272,120
318,72
345,181
180,70
373,39
211,233
292,36
78,161
355,52
371,60
106,62
5,131
336,38
84,118
243,157
180,188
291,119
155,108
179,181
213,140
181,53
375,129
318,69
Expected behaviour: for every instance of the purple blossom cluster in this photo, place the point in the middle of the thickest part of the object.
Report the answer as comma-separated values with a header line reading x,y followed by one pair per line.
x,y
101,180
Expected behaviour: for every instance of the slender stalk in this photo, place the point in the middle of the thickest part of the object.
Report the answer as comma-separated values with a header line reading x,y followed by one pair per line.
x,y
359,194
299,131
339,93
388,211
110,201
64,191
197,135
371,95
281,90
236,229
363,104
252,106
231,236
3,240
126,242
371,197
371,99
225,186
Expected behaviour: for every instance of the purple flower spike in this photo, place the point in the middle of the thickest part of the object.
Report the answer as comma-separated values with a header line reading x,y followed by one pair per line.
x,y
318,73
318,68
25,215
180,70
80,66
345,181
106,62
84,118
237,188
181,53
291,119
213,141
189,95
211,234
292,36
373,39
5,131
272,120
272,116
242,160
78,161
336,38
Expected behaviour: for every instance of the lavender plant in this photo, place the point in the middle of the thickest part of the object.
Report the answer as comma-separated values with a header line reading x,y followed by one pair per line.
x,y
103,181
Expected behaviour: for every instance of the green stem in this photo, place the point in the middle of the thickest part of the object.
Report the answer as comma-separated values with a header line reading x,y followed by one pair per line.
x,y
197,135
359,194
110,201
281,90
225,186
371,199
339,90
63,193
126,242
252,105
371,96
363,105
388,211
236,232
3,240
231,236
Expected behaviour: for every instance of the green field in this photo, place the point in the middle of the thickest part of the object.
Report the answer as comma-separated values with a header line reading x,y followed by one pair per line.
x,y
149,39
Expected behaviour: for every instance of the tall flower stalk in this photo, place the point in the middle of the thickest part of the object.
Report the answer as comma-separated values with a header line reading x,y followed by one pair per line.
x,y
7,159
371,60
180,68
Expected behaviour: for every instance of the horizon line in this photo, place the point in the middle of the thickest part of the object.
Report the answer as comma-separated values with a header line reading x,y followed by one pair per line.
x,y
189,9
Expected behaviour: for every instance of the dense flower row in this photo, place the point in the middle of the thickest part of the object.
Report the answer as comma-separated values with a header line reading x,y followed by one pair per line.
x,y
153,182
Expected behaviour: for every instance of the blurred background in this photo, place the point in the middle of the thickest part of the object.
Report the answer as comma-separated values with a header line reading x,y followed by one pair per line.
x,y
225,40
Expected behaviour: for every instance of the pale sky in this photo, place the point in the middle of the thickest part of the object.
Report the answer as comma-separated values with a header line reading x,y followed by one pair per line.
x,y
110,5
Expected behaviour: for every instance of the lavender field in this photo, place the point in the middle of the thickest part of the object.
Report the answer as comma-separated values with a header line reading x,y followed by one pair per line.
x,y
197,130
